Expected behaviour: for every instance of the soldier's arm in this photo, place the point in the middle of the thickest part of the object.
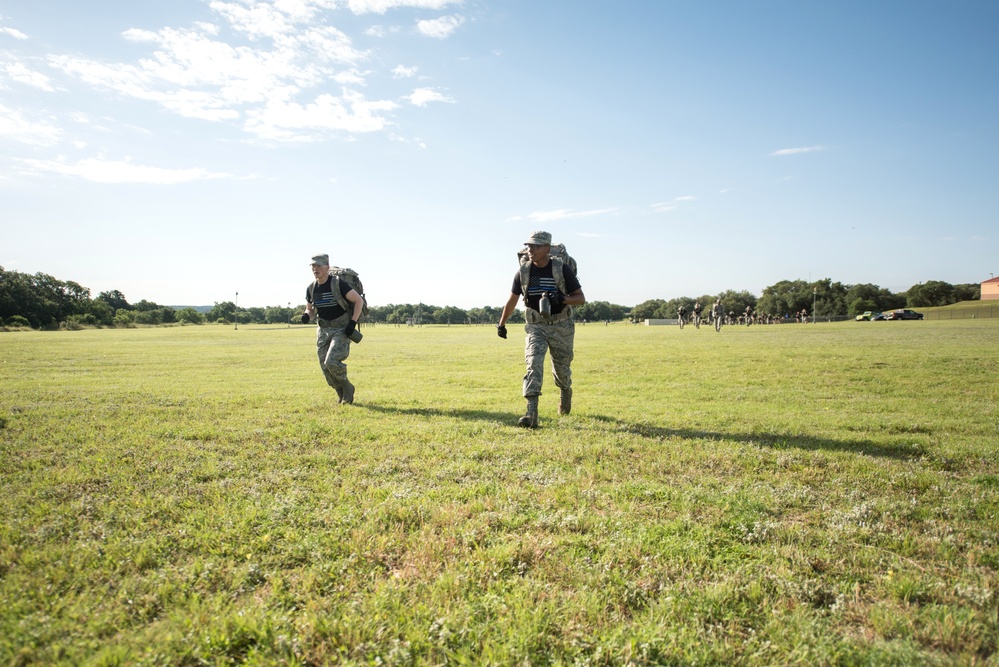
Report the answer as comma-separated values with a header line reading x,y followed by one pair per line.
x,y
355,298
508,308
577,298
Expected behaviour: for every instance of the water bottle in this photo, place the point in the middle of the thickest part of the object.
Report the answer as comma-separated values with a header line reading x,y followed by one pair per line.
x,y
545,306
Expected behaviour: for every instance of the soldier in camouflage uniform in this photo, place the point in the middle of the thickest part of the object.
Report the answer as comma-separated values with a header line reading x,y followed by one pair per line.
x,y
718,314
550,285
337,321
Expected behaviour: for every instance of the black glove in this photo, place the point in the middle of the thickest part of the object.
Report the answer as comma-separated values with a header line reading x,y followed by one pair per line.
x,y
305,318
349,329
556,299
501,330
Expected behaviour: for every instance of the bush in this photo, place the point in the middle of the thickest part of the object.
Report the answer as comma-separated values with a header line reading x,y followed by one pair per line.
x,y
18,321
77,322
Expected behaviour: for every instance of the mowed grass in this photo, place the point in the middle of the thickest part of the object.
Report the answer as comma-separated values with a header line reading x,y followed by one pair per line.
x,y
794,494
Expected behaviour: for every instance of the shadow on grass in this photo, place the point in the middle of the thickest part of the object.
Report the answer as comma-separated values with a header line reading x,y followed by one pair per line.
x,y
775,441
768,440
507,418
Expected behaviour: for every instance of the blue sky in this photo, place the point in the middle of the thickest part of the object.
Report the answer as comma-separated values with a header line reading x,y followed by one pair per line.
x,y
183,151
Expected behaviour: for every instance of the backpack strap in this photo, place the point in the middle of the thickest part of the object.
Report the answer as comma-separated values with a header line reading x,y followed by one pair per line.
x,y
558,273
525,279
339,297
346,305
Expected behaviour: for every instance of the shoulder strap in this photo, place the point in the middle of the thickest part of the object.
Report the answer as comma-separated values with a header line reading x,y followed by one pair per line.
x,y
558,273
525,279
338,296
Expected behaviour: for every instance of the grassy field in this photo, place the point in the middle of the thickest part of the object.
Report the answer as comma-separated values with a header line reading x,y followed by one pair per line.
x,y
801,494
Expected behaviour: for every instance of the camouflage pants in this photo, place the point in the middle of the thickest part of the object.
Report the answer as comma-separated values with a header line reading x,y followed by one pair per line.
x,y
333,347
541,338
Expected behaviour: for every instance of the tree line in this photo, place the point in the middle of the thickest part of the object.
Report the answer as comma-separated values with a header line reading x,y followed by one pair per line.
x,y
828,299
41,301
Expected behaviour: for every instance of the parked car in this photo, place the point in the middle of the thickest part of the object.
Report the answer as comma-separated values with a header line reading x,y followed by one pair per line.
x,y
878,317
903,314
869,315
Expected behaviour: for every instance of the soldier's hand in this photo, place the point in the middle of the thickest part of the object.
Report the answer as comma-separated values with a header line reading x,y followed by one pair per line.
x,y
349,329
556,298
501,330
305,318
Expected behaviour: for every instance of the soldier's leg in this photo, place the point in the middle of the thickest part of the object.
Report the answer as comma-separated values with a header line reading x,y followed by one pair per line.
x,y
324,341
535,348
336,354
561,339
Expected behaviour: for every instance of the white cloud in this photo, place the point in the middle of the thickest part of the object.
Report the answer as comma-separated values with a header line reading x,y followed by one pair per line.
x,y
13,125
382,6
18,72
264,85
290,121
421,97
439,28
566,214
16,34
110,171
667,206
401,72
796,151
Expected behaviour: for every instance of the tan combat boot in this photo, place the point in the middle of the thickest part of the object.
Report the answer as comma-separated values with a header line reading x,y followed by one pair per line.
x,y
565,401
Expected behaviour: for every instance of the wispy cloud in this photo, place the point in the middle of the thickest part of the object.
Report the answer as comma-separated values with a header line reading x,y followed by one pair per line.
x,y
401,72
20,73
440,28
108,171
796,151
16,34
13,125
667,206
566,214
421,97
382,6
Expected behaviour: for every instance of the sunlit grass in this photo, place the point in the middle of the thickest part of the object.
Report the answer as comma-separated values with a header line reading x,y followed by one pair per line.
x,y
811,494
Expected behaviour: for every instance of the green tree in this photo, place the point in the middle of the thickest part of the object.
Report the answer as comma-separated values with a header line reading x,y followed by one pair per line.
x,y
932,293
115,299
190,315
450,315
222,311
124,317
647,310
967,292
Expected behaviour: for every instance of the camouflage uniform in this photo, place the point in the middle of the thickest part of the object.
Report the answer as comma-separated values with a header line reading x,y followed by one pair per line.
x,y
542,337
333,348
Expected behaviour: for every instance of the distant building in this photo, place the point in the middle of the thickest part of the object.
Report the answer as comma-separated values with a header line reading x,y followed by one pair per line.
x,y
990,289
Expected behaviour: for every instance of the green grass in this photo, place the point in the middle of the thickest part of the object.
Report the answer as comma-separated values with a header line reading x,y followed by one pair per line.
x,y
796,494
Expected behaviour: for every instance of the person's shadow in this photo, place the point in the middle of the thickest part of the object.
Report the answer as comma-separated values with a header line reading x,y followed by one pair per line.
x,y
770,440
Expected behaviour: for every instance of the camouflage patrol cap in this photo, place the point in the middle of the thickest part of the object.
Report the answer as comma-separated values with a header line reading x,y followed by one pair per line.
x,y
539,238
322,260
